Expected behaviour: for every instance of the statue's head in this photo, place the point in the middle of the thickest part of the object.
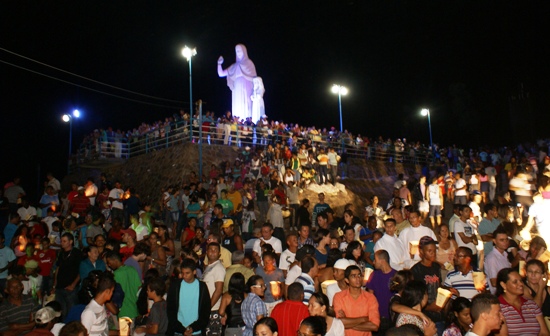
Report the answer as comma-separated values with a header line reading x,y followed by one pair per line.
x,y
240,52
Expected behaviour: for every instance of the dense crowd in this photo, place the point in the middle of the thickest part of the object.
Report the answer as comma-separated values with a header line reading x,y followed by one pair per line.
x,y
240,251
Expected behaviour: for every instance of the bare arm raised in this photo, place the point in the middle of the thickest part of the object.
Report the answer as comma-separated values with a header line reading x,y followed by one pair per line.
x,y
221,72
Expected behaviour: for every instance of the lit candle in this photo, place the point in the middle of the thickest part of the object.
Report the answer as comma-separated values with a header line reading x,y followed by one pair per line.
x,y
368,272
275,289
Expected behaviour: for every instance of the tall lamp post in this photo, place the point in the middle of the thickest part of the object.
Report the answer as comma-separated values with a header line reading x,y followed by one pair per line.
x,y
426,112
341,91
188,53
68,118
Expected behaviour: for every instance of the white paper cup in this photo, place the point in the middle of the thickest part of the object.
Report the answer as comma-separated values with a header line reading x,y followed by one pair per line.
x,y
325,284
479,280
442,296
413,247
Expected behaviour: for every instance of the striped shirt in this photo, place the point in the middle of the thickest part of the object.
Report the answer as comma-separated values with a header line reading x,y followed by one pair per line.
x,y
463,283
10,313
522,322
309,286
94,318
250,309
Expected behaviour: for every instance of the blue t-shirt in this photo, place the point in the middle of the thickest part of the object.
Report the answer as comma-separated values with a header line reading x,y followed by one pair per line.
x,y
6,256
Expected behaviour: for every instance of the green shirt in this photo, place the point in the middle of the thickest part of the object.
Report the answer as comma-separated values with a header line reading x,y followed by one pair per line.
x,y
227,206
130,282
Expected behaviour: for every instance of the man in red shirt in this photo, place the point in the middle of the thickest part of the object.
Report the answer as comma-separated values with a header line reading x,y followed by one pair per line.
x,y
291,312
46,258
129,238
80,203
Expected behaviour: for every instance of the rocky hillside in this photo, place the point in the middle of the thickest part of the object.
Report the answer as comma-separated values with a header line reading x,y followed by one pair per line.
x,y
148,173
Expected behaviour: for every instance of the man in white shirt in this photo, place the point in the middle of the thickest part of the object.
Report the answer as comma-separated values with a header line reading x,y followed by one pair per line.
x,y
267,238
90,190
399,255
460,190
435,197
288,255
338,271
414,233
54,183
465,233
94,316
26,211
115,196
213,276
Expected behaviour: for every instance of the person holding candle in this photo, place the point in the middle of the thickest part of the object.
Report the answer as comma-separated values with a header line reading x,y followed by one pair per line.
x,y
273,278
428,271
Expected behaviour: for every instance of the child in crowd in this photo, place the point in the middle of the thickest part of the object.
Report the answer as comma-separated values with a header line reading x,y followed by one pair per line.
x,y
157,321
55,235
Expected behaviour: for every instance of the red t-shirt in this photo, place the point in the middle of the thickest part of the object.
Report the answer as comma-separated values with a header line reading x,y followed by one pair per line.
x,y
116,235
126,252
289,315
45,261
80,204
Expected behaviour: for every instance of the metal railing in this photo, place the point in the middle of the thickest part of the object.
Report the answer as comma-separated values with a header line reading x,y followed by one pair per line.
x,y
230,135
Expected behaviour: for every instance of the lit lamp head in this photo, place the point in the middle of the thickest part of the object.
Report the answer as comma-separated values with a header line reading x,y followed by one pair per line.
x,y
76,113
339,89
66,118
425,112
188,52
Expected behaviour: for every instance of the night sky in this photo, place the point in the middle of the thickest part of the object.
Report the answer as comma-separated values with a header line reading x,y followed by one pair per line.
x,y
463,60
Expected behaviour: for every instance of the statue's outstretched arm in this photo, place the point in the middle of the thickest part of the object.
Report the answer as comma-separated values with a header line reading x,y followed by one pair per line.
x,y
221,71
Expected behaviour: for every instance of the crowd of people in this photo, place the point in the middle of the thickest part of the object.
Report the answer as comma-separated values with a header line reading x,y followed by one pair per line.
x,y
240,251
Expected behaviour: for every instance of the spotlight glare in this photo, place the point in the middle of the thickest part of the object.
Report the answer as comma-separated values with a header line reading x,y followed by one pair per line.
x,y
335,88
188,52
66,118
343,90
425,112
76,113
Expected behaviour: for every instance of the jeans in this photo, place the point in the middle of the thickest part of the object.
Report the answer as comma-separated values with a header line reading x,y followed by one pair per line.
x,y
67,299
323,174
333,171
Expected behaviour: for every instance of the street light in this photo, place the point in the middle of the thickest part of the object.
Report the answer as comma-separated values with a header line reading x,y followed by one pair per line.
x,y
68,118
188,53
341,91
426,112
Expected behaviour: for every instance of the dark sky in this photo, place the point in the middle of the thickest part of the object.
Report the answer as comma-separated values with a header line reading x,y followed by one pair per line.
x,y
461,59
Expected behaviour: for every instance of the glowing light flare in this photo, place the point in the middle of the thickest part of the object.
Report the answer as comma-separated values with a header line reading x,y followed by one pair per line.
x,y
275,287
188,52
76,113
66,118
424,112
339,89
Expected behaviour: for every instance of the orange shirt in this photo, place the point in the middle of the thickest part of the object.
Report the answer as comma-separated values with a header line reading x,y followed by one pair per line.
x,y
365,305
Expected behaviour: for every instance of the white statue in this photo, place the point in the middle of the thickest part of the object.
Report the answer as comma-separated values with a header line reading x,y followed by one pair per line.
x,y
239,79
258,107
